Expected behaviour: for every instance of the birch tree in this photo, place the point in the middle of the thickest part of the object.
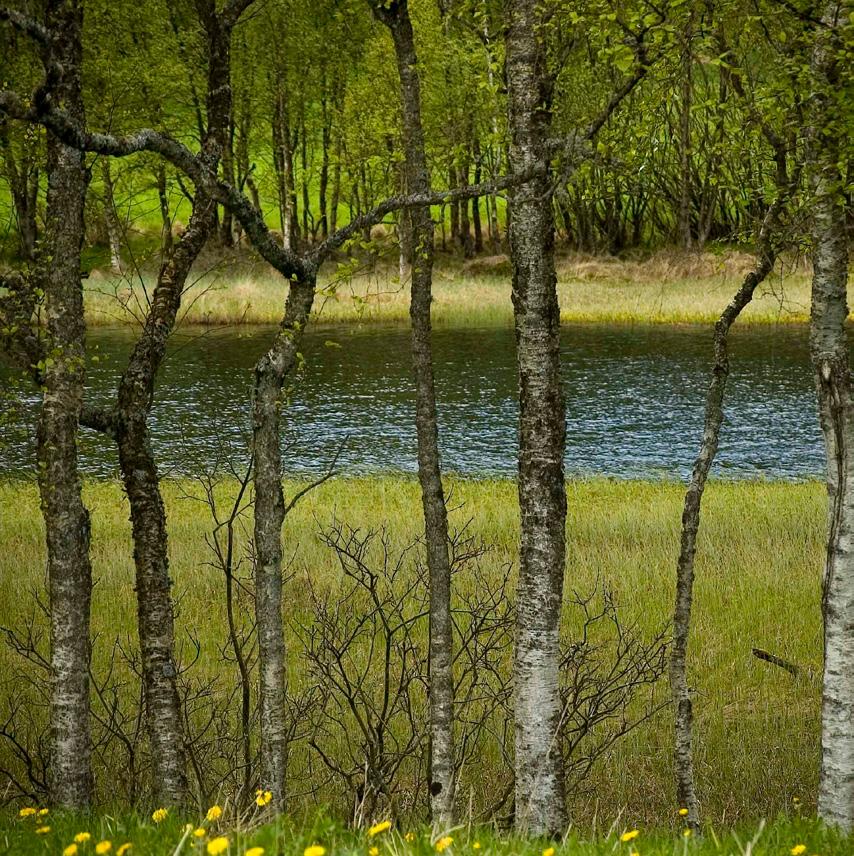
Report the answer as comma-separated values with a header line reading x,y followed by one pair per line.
x,y
395,16
540,800
829,351
57,361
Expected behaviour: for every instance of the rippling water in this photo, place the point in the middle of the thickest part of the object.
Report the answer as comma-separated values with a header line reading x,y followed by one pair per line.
x,y
634,401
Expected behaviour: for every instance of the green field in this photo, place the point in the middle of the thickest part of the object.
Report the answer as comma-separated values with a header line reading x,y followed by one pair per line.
x,y
758,585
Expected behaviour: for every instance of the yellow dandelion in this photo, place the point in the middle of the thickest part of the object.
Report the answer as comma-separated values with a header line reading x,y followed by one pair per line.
x,y
683,812
214,813
410,836
82,837
29,811
374,851
201,832
71,850
314,850
254,851
549,851
629,835
217,845
43,811
160,814
43,830
124,848
476,846
798,849
444,843
263,797
378,828
686,833
103,847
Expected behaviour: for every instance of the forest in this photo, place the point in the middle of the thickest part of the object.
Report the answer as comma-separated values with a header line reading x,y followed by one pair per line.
x,y
426,425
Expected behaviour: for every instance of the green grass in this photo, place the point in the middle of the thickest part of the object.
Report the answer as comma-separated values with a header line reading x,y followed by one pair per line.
x,y
282,836
666,288
758,585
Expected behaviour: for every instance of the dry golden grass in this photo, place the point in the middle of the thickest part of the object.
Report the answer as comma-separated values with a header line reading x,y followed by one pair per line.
x,y
665,288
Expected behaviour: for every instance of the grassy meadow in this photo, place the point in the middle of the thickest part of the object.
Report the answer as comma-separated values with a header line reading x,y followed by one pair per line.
x,y
665,288
758,585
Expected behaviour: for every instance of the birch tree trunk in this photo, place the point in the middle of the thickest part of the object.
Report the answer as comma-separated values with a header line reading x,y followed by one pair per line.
x,y
766,254
270,373
540,802
66,518
396,17
128,424
111,218
686,92
829,350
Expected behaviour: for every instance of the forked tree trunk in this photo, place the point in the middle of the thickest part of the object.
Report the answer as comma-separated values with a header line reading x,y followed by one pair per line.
x,y
129,426
270,373
766,254
540,803
66,518
396,17
829,350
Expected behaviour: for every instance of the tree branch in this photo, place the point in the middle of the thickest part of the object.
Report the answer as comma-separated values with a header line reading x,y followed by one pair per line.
x,y
25,24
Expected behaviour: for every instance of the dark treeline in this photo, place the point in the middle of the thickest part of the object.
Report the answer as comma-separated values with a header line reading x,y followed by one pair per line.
x,y
297,128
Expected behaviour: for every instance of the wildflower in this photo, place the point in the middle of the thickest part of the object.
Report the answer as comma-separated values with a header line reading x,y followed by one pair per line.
x,y
629,835
549,851
201,832
82,837
476,846
43,830
103,847
26,812
214,813
188,827
378,828
71,850
686,833
683,812
444,843
124,848
254,851
410,836
263,797
43,812
314,850
374,851
160,815
798,849
217,845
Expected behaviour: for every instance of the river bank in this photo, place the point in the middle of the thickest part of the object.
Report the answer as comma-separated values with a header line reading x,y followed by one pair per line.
x,y
665,288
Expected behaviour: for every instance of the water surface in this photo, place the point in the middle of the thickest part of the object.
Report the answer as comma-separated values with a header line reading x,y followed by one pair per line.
x,y
634,401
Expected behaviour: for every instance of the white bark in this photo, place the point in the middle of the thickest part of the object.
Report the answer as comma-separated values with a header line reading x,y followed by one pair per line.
x,y
829,349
